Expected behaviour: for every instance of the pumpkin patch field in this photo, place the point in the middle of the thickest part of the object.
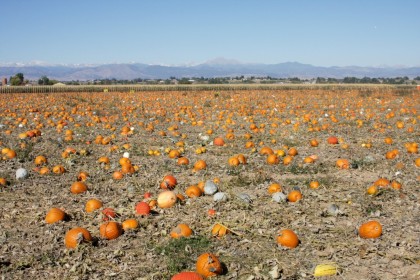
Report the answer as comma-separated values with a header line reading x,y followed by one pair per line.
x,y
286,183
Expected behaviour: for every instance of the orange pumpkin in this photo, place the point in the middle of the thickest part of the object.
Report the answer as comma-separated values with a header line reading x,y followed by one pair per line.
x,y
266,151
332,140
82,176
3,181
187,275
342,163
218,141
55,215
314,184
174,154
130,224
292,152
273,188
200,165
233,161
219,230
92,205
44,170
40,160
371,229
142,208
169,182
208,265
272,159
59,169
78,187
117,175
108,214
382,182
110,230
181,230
76,236
287,160
313,143
288,238
183,161
294,196
193,191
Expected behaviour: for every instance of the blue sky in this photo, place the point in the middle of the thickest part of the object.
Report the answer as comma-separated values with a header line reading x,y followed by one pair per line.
x,y
324,33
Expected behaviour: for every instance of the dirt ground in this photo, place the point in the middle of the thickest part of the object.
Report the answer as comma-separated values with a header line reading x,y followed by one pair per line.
x,y
31,248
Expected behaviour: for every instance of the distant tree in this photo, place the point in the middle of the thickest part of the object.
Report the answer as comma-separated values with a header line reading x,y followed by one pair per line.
x,y
332,81
417,78
350,80
44,81
185,81
17,79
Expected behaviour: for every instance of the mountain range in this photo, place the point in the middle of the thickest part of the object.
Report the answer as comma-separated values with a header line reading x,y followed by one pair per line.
x,y
219,67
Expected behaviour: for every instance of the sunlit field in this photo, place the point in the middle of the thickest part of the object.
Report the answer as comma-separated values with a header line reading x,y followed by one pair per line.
x,y
274,183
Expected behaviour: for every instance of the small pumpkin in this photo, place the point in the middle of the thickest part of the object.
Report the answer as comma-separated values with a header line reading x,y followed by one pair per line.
x,y
273,188
108,214
233,161
372,190
174,154
3,181
332,140
308,160
142,208
266,151
103,160
130,224
208,265
219,230
187,275
59,169
342,163
382,182
55,215
313,143
242,159
44,170
294,196
10,154
193,191
169,182
287,160
218,141
78,187
272,159
82,176
166,199
110,230
92,205
288,238
200,165
292,152
76,236
371,230
40,160
117,175
183,161
181,230
314,184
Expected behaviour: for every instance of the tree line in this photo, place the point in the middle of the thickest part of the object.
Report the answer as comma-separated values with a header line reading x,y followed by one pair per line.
x,y
19,79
